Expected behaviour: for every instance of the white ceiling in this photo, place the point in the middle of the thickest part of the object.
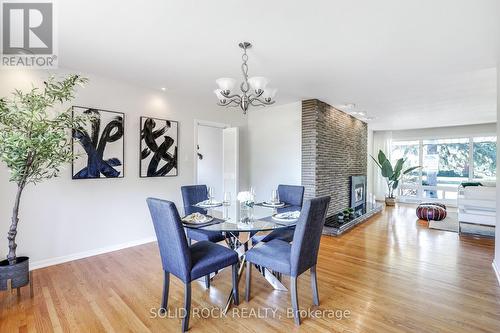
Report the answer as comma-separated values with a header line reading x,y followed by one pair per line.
x,y
412,63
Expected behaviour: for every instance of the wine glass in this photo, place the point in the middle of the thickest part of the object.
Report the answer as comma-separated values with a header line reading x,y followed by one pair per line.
x,y
252,192
275,197
227,198
210,194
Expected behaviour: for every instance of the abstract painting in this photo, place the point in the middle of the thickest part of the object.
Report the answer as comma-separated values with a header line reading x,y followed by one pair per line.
x,y
98,144
158,147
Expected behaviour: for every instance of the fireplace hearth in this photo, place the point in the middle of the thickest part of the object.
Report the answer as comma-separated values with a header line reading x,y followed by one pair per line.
x,y
335,226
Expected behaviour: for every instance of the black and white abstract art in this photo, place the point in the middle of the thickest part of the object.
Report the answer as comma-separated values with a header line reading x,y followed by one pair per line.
x,y
159,139
98,144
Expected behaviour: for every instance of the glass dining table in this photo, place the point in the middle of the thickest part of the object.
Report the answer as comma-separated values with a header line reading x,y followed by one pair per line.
x,y
238,223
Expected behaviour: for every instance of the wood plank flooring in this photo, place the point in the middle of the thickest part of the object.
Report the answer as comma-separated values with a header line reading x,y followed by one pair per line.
x,y
391,274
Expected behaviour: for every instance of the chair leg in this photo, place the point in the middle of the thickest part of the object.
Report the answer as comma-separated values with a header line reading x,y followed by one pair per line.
x,y
187,307
248,281
295,301
207,281
314,285
236,295
166,285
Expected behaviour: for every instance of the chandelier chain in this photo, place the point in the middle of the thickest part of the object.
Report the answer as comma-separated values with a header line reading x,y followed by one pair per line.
x,y
244,68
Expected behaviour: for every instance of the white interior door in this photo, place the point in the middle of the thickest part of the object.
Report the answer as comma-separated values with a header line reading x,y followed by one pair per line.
x,y
230,139
210,158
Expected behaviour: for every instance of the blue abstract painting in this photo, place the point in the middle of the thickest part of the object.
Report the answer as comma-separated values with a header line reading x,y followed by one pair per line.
x,y
98,145
159,139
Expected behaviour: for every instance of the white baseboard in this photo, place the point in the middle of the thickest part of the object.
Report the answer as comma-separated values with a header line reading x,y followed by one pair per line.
x,y
85,254
497,270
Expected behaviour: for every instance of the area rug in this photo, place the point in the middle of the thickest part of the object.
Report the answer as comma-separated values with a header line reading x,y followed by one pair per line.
x,y
450,223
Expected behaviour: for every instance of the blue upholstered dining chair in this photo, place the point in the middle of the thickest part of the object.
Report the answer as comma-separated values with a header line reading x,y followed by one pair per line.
x,y
192,194
292,196
186,262
293,260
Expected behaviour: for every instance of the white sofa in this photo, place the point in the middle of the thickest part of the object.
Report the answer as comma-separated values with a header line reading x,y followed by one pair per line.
x,y
477,209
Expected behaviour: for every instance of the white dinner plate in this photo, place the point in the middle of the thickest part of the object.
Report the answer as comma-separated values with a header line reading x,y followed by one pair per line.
x,y
206,204
287,216
273,205
197,218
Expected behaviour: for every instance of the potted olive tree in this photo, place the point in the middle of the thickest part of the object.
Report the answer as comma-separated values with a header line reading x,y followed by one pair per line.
x,y
392,175
35,141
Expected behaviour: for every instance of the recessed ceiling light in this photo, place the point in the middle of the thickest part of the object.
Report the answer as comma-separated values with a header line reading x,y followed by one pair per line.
x,y
163,89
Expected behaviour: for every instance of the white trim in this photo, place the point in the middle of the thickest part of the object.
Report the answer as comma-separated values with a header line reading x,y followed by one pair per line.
x,y
237,154
497,270
89,253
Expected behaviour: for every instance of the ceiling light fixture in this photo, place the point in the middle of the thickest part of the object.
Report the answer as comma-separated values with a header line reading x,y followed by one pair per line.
x,y
260,95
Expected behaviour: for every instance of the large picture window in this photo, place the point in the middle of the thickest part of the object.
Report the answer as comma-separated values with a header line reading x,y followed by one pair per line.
x,y
484,157
445,164
411,151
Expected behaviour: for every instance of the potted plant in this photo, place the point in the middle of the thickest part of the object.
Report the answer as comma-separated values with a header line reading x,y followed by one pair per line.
x,y
247,201
35,142
346,214
391,174
340,217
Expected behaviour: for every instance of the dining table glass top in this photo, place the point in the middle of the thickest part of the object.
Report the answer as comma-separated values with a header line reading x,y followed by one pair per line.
x,y
260,219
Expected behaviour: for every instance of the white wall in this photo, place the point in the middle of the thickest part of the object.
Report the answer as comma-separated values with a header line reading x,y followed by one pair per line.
x,y
275,143
63,219
445,132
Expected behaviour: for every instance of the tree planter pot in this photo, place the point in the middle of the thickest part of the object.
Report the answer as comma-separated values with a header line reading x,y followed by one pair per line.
x,y
390,201
18,274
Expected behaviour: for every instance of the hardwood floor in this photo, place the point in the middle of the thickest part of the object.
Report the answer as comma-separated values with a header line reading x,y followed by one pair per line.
x,y
391,274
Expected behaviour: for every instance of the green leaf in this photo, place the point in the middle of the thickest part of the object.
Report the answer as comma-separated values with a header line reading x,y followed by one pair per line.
x,y
399,165
407,171
381,157
376,162
387,171
395,184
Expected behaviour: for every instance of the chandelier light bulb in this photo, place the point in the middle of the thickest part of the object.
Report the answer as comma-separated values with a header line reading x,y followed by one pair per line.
x,y
226,85
258,84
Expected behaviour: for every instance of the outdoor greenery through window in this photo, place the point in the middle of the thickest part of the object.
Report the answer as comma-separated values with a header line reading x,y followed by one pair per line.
x,y
485,158
445,164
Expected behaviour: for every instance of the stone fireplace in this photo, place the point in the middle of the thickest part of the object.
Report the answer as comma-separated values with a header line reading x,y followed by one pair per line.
x,y
334,148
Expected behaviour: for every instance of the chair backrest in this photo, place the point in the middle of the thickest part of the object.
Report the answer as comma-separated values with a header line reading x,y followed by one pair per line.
x,y
192,194
174,251
291,194
307,236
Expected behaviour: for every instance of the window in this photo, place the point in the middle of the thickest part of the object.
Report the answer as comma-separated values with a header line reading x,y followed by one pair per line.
x,y
410,151
484,156
445,164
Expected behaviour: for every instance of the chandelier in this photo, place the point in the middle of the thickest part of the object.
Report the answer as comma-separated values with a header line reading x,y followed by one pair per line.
x,y
254,90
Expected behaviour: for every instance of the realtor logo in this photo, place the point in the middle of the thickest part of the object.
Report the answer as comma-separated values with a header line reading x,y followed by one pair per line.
x,y
28,34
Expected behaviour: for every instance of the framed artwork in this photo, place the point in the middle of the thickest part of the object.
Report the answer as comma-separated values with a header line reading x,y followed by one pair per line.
x,y
98,144
159,146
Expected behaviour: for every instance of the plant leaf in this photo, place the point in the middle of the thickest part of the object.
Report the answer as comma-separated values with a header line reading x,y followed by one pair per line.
x,y
381,157
387,171
376,162
399,165
411,169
